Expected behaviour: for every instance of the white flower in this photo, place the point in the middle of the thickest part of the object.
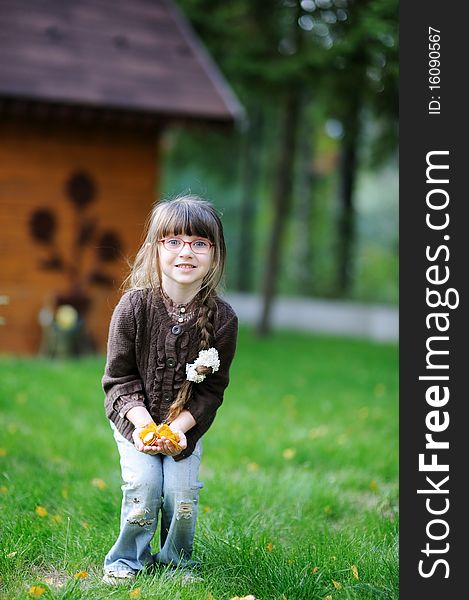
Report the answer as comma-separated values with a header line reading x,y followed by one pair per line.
x,y
206,358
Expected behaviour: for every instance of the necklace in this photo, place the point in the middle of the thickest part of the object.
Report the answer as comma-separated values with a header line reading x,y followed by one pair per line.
x,y
179,312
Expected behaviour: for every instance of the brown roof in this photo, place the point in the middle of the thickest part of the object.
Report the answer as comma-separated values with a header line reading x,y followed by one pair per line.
x,y
139,56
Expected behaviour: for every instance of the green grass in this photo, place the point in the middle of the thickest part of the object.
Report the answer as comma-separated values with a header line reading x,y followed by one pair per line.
x,y
300,473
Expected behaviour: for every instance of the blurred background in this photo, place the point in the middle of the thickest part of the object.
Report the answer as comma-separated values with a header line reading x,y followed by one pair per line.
x,y
283,113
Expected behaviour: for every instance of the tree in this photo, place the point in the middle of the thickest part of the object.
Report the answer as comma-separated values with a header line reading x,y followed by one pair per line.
x,y
343,54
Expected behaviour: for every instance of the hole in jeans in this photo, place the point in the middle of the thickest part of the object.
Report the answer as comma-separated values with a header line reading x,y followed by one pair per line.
x,y
184,509
139,517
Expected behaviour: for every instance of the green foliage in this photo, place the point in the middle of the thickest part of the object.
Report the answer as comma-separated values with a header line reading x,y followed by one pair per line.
x,y
341,58
300,471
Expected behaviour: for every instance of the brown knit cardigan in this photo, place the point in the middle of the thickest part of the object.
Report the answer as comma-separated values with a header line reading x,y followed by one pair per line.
x,y
146,363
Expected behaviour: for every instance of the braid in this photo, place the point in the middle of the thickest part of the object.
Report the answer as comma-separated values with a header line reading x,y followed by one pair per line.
x,y
206,330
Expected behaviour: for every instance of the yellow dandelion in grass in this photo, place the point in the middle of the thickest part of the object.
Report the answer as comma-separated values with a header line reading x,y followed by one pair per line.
x,y
41,511
65,493
328,598
36,590
85,524
289,453
252,466
207,509
373,485
98,483
81,575
354,571
210,596
269,547
314,570
337,584
327,510
3,489
136,593
57,518
3,452
291,561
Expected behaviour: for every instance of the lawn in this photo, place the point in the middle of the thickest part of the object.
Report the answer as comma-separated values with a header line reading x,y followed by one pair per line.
x,y
300,471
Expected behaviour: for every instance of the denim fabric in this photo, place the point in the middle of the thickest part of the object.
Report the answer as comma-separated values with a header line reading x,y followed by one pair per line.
x,y
154,484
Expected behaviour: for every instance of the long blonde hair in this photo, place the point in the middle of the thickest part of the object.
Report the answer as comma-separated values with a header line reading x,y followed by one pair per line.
x,y
185,215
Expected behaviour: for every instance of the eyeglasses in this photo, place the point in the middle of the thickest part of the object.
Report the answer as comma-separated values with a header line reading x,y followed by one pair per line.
x,y
197,246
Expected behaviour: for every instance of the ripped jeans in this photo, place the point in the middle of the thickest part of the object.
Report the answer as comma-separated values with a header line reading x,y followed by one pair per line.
x,y
151,484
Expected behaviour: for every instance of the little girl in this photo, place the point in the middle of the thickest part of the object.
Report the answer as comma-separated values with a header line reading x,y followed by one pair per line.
x,y
170,347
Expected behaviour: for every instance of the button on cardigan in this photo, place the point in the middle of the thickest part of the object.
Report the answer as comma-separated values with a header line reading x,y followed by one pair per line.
x,y
146,363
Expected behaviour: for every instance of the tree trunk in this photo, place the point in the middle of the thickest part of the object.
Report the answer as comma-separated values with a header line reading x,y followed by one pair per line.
x,y
250,176
304,212
346,225
281,204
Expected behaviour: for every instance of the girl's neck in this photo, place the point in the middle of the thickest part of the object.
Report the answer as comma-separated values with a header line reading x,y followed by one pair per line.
x,y
178,295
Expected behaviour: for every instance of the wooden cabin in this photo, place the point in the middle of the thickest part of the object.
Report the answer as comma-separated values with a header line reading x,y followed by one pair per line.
x,y
86,89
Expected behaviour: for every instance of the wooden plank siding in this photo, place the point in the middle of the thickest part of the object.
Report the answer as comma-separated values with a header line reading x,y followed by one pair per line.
x,y
35,163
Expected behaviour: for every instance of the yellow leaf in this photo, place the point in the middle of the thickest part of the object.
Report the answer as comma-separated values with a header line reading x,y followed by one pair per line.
x,y
36,590
85,524
290,561
21,398
3,452
12,554
373,485
269,547
379,390
209,596
289,453
41,511
354,571
314,570
136,593
320,431
337,585
328,598
364,412
98,483
81,575
3,489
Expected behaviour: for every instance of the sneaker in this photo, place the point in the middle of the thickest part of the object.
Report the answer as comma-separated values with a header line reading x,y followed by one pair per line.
x,y
186,576
118,577
190,577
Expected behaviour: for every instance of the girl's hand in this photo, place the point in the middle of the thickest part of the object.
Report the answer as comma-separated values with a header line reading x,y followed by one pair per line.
x,y
162,446
167,446
139,445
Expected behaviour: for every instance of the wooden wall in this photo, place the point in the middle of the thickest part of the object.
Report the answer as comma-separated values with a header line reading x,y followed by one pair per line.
x,y
35,163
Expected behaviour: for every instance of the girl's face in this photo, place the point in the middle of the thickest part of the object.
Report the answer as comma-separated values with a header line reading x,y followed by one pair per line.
x,y
183,270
